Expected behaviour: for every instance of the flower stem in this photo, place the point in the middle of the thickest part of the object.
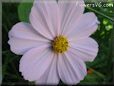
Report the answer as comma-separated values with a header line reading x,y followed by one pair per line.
x,y
100,13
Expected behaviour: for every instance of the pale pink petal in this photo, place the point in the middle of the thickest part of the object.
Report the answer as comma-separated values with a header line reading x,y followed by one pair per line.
x,y
70,11
50,77
25,31
85,26
36,62
85,49
44,17
71,69
22,37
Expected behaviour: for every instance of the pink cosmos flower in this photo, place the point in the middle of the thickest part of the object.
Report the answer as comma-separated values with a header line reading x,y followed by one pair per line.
x,y
55,44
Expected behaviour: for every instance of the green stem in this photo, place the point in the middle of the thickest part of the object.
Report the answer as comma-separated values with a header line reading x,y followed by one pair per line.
x,y
99,74
100,13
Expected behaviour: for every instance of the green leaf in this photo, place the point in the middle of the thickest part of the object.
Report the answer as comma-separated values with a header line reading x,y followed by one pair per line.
x,y
24,10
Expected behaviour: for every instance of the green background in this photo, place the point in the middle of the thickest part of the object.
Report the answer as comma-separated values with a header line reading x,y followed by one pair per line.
x,y
102,66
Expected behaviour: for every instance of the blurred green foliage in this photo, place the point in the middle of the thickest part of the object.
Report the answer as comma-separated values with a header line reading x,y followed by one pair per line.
x,y
102,66
24,10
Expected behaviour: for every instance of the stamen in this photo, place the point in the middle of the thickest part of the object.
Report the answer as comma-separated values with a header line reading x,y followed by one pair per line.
x,y
60,44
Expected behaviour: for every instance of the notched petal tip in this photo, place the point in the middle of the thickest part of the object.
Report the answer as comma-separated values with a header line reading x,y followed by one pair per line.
x,y
98,22
13,49
94,15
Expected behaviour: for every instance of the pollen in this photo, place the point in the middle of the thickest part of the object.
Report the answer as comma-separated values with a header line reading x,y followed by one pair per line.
x,y
60,44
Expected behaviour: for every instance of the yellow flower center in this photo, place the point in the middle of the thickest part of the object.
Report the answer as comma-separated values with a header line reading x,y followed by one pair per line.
x,y
60,44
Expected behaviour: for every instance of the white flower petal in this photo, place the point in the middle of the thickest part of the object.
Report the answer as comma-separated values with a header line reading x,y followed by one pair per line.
x,y
21,46
22,37
50,77
25,31
85,49
70,11
71,69
85,26
36,62
44,17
